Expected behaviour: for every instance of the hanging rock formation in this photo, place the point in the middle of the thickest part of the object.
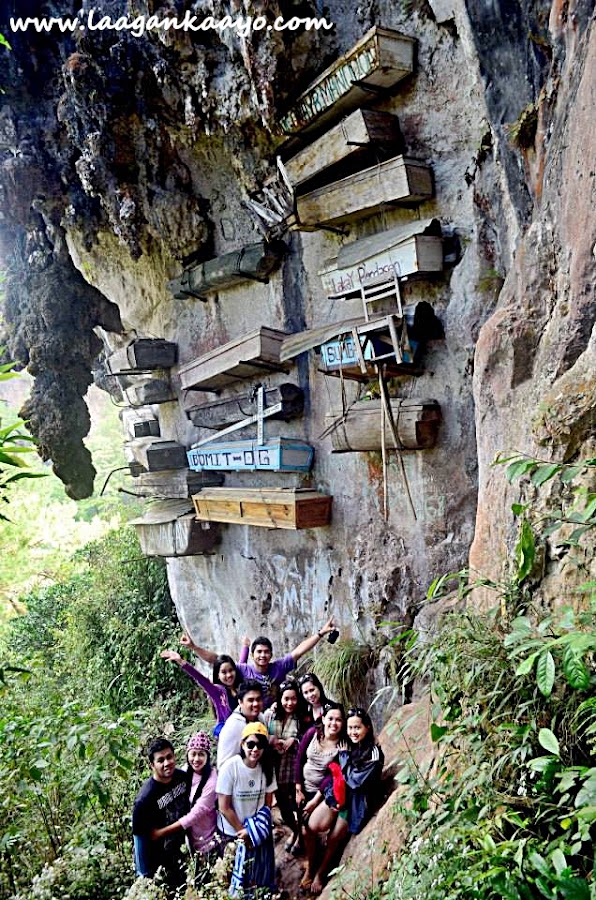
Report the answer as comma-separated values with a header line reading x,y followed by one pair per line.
x,y
124,158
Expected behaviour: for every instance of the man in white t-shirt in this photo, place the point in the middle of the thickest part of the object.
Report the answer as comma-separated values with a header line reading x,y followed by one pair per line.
x,y
249,709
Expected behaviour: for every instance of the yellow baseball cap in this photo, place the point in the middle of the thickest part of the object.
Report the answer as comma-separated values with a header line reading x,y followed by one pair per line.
x,y
254,728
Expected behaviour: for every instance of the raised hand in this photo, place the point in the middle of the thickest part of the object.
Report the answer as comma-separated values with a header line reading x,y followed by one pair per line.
x,y
172,656
328,627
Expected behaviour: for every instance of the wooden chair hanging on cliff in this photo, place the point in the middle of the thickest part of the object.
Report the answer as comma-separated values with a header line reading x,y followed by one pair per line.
x,y
373,291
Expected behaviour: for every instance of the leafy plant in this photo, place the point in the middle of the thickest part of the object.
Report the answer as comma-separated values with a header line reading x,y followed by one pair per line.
x,y
84,691
344,670
14,443
576,511
509,806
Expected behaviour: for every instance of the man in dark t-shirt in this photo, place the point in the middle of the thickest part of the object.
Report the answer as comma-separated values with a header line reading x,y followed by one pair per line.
x,y
162,800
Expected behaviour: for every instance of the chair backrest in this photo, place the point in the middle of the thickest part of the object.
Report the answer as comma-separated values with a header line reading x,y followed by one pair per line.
x,y
378,289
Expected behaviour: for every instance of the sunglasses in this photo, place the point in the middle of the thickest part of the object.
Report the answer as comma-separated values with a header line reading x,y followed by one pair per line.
x,y
356,711
254,745
304,678
287,686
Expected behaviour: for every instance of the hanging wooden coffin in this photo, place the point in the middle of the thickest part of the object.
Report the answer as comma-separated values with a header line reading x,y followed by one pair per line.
x,y
421,322
277,454
143,355
399,180
340,357
379,61
175,484
222,413
170,529
141,422
255,262
145,390
245,357
155,455
264,507
413,249
358,140
359,429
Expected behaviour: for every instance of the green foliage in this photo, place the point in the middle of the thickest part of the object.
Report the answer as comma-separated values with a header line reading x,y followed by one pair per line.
x,y
80,874
104,626
14,443
45,526
84,689
507,808
575,514
344,670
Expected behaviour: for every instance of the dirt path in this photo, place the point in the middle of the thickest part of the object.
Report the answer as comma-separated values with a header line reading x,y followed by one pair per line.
x,y
290,869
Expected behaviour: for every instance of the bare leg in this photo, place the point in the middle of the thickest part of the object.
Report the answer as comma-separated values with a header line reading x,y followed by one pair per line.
x,y
310,845
335,837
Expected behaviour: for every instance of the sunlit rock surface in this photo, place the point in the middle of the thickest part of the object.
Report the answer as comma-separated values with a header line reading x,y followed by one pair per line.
x,y
122,157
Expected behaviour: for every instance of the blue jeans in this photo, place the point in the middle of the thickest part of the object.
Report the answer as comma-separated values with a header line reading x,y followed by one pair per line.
x,y
144,858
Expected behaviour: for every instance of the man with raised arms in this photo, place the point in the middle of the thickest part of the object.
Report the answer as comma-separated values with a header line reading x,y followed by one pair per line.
x,y
269,672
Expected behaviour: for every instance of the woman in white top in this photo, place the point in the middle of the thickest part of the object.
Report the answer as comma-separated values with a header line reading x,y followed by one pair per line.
x,y
245,787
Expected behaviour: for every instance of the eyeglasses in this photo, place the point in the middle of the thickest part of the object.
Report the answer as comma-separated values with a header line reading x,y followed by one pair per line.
x,y
254,745
356,711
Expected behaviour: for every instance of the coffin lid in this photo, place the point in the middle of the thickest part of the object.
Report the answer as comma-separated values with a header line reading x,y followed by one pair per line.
x,y
357,251
411,403
163,511
314,337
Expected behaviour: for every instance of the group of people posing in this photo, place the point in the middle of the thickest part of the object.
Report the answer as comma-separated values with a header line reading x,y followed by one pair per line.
x,y
278,738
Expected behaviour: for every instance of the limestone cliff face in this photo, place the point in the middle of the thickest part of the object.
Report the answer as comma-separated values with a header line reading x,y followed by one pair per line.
x,y
122,157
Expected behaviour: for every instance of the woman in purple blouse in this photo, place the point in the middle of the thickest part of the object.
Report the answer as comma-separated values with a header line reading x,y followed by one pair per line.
x,y
223,689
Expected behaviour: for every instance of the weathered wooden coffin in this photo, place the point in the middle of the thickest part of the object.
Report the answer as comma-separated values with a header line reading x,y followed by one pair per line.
x,y
359,429
252,354
141,422
355,142
170,528
276,454
398,180
264,507
406,250
339,357
144,390
175,484
379,61
421,322
155,455
143,355
222,413
255,262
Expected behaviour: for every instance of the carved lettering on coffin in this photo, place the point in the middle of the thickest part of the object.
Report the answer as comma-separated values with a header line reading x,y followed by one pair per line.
x,y
381,59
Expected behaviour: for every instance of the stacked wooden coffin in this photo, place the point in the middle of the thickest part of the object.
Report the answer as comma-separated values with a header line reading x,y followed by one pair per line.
x,y
237,367
142,369
349,169
170,528
356,167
